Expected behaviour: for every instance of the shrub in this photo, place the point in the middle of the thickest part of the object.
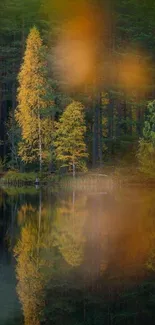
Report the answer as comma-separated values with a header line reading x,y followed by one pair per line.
x,y
146,157
17,177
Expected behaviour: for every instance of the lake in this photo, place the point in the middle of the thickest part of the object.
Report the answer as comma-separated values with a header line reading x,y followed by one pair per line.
x,y
76,257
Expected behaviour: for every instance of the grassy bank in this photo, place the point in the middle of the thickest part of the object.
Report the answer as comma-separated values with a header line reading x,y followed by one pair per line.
x,y
107,178
81,181
16,178
131,175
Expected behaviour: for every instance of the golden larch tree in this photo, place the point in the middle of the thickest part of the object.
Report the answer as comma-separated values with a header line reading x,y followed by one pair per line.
x,y
33,100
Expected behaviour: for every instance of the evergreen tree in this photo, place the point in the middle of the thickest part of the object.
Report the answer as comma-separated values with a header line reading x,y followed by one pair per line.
x,y
34,98
149,127
13,138
146,152
70,145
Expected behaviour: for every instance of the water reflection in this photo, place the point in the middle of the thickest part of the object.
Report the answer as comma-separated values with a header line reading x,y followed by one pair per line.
x,y
68,227
83,258
32,260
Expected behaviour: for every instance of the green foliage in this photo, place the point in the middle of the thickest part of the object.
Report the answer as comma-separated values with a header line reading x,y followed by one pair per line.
x,y
13,138
2,165
15,191
149,126
146,157
17,177
146,151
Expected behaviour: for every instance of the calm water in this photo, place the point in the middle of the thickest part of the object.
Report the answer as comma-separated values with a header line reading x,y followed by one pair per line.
x,y
75,257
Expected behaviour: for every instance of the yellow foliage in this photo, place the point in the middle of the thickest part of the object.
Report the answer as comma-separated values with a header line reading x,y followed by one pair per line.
x,y
32,100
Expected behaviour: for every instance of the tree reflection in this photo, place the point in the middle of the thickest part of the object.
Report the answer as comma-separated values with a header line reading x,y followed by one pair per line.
x,y
69,229
48,237
32,262
29,275
84,258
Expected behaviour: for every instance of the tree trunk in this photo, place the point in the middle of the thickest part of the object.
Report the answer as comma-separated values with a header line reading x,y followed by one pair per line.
x,y
40,145
39,225
73,169
95,134
13,154
110,123
100,134
124,105
131,119
40,207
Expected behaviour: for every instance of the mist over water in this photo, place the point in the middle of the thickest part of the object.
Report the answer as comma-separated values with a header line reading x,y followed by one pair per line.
x,y
77,245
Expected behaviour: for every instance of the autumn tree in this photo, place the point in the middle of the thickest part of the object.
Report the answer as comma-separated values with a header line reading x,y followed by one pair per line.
x,y
34,98
70,136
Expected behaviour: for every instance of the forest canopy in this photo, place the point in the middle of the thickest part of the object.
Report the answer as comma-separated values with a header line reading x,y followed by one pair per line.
x,y
54,54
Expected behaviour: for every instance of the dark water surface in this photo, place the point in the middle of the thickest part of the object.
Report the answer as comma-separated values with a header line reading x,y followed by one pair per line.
x,y
77,257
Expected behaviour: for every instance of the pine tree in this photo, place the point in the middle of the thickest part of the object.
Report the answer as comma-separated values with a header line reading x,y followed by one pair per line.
x,y
146,152
13,138
34,98
70,145
149,127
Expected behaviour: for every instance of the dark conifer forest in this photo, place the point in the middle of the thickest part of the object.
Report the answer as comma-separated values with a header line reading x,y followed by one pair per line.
x,y
98,56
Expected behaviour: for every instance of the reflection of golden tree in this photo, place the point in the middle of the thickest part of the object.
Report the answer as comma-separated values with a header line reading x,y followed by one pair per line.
x,y
28,268
32,262
69,224
25,211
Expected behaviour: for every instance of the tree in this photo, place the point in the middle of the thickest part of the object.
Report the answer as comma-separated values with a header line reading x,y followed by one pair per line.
x,y
146,152
13,137
34,98
70,145
16,19
149,127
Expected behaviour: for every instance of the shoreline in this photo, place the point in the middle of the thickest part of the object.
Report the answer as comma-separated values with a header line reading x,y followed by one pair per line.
x,y
107,179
